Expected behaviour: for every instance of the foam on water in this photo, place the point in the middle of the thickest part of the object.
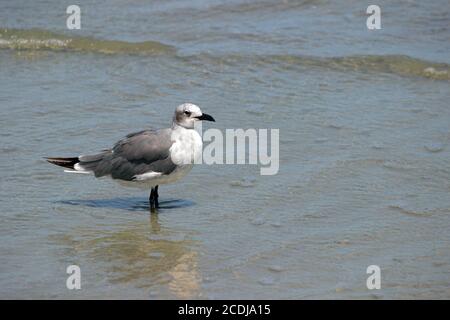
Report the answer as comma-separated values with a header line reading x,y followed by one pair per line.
x,y
36,39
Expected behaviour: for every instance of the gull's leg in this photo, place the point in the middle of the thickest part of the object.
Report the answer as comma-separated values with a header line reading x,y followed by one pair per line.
x,y
151,199
156,197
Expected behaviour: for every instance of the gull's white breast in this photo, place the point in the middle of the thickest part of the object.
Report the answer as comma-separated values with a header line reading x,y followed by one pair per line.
x,y
187,146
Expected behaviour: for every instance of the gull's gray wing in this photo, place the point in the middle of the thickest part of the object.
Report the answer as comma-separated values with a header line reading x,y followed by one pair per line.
x,y
136,154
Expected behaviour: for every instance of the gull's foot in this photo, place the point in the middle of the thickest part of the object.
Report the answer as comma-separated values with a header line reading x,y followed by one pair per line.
x,y
153,199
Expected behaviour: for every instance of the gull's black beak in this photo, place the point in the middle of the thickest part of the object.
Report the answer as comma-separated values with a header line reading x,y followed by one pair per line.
x,y
206,117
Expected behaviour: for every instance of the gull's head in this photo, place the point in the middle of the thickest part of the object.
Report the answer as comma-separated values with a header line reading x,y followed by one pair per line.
x,y
187,114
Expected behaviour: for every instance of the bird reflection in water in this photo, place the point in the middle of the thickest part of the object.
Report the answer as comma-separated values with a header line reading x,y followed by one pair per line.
x,y
140,255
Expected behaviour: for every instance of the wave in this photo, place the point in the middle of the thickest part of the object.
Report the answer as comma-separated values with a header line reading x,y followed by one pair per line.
x,y
397,64
36,39
403,65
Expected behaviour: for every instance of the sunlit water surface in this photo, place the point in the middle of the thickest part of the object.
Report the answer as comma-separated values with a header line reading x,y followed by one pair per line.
x,y
364,173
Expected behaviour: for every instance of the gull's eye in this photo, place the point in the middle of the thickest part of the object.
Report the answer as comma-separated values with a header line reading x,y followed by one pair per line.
x,y
188,113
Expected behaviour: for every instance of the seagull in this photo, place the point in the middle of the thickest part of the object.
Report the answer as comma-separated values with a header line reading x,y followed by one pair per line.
x,y
147,158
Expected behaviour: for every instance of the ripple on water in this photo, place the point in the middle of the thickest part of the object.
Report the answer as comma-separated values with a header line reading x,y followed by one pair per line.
x,y
403,208
244,183
276,224
398,165
7,150
275,268
255,110
434,147
321,140
156,255
258,221
266,281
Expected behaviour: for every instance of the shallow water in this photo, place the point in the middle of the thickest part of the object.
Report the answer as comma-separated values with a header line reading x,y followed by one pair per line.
x,y
364,148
